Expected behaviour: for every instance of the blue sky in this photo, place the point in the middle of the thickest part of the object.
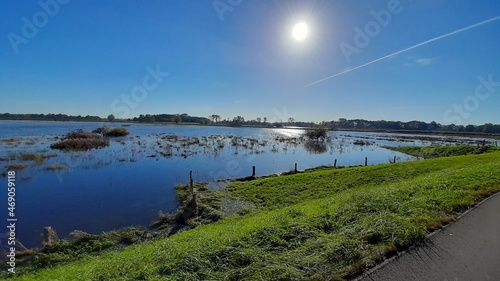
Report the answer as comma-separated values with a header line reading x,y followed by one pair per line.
x,y
237,57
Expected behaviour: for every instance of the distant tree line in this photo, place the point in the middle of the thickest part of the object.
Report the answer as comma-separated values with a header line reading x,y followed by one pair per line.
x,y
171,118
239,121
48,117
360,124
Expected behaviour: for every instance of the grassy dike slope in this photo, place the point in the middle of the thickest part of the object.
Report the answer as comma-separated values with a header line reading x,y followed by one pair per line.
x,y
320,225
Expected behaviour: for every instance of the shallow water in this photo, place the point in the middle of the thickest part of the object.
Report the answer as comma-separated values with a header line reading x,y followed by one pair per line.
x,y
130,181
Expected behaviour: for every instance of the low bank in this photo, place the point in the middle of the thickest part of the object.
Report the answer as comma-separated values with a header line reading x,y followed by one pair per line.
x,y
327,224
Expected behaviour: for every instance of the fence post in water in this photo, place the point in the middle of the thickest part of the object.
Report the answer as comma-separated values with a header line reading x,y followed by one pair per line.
x,y
191,182
335,163
253,171
394,160
295,167
366,161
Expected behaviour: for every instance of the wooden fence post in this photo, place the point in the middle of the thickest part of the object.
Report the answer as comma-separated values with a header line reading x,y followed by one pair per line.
x,y
295,167
335,163
394,160
366,161
253,171
191,182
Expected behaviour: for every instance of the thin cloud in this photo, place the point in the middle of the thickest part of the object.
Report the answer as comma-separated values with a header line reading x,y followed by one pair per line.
x,y
424,61
407,49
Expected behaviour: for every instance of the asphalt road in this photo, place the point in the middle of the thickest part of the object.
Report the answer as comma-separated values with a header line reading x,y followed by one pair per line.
x,y
468,249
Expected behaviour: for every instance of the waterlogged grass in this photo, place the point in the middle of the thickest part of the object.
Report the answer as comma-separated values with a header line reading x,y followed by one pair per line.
x,y
55,167
443,151
320,225
80,144
37,158
80,140
16,167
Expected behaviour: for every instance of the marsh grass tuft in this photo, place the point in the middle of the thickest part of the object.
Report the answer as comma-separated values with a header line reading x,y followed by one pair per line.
x,y
32,156
16,167
117,132
81,244
55,167
204,207
111,132
80,144
11,142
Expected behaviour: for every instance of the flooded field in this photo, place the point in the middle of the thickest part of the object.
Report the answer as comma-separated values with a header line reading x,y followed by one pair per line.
x,y
130,181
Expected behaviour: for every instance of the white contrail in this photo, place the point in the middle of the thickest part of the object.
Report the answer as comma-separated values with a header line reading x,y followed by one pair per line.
x,y
407,49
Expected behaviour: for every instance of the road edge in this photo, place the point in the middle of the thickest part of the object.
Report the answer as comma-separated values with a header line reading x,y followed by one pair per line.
x,y
374,269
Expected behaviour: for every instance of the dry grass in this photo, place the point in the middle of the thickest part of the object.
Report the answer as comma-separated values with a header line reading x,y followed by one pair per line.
x,y
55,167
11,143
31,156
80,144
15,167
37,158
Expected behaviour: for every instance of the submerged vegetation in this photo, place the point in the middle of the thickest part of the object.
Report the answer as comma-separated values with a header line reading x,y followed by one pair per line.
x,y
80,144
80,140
317,133
16,167
36,158
326,224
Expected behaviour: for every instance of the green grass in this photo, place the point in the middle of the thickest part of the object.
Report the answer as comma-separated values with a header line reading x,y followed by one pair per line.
x,y
318,225
443,151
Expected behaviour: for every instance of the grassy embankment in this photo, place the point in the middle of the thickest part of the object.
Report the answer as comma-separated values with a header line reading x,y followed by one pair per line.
x,y
320,225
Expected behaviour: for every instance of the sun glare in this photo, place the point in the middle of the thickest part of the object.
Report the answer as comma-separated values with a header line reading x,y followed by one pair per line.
x,y
300,31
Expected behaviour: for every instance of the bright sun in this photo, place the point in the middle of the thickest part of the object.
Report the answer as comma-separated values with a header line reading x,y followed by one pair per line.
x,y
300,31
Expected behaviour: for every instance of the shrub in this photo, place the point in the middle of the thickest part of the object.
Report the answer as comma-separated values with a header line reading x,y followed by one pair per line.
x,y
31,156
317,133
117,132
79,134
101,130
114,132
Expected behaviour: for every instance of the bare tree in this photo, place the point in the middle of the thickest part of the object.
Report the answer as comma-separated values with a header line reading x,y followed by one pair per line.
x,y
215,118
259,119
265,119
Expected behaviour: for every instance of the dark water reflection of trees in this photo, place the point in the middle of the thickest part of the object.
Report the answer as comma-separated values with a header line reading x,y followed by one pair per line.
x,y
315,147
